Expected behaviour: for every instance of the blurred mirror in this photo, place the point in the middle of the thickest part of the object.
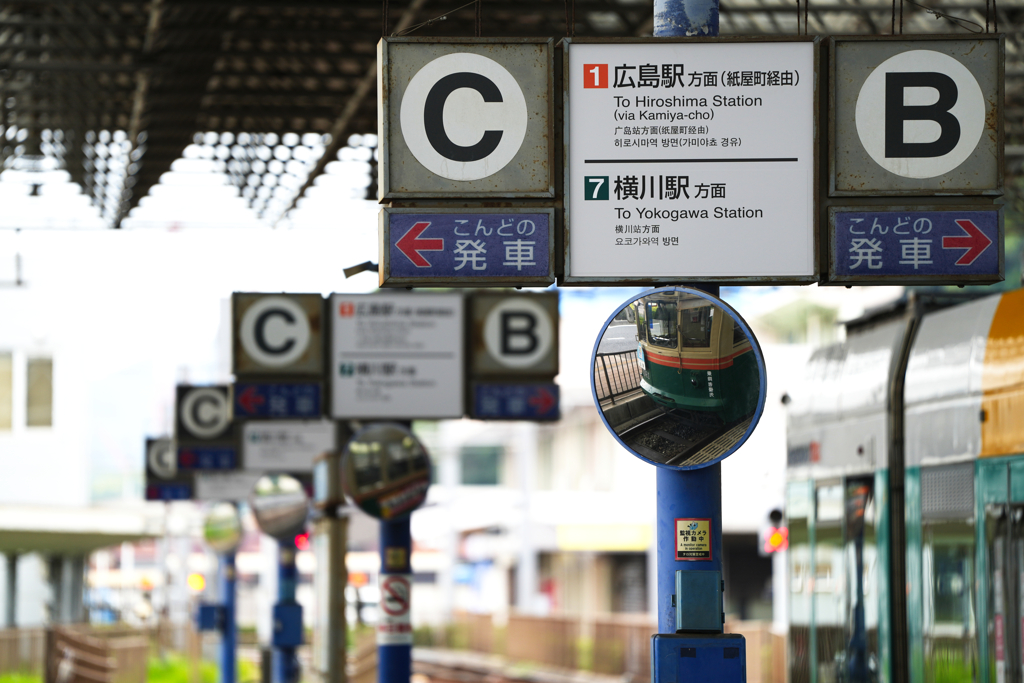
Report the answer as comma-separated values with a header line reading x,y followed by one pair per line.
x,y
223,528
678,378
386,471
280,505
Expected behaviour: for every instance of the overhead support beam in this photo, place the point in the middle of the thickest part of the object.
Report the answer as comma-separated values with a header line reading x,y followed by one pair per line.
x,y
341,126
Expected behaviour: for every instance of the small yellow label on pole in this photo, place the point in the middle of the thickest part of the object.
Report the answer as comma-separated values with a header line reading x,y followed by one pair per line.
x,y
693,539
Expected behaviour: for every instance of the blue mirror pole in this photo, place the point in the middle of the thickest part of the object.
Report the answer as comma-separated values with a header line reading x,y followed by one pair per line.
x,y
229,628
685,18
394,647
286,659
685,495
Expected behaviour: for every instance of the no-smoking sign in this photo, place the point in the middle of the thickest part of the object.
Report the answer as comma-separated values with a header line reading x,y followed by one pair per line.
x,y
395,625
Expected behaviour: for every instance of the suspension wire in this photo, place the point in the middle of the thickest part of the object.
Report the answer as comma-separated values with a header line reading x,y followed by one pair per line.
x,y
959,21
995,17
894,17
384,18
572,29
441,17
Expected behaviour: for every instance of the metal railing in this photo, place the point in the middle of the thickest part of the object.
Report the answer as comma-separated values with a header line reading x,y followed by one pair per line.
x,y
616,374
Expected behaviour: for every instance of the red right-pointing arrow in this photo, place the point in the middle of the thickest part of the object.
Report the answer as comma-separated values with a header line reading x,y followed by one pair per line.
x,y
543,401
975,242
411,245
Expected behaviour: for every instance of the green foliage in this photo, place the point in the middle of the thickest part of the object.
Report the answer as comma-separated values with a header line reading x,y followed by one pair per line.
x,y
585,654
20,678
174,669
946,671
248,672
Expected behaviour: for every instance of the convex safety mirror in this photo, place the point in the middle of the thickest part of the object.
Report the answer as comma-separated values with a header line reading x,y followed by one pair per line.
x,y
678,378
385,471
280,505
222,528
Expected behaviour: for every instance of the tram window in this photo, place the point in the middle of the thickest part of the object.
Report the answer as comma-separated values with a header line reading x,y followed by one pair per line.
x,y
738,335
367,469
398,462
696,327
861,558
830,603
1005,588
661,324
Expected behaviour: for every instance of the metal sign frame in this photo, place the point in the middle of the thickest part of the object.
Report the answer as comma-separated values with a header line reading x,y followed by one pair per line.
x,y
815,212
384,104
384,237
997,106
482,365
309,364
911,280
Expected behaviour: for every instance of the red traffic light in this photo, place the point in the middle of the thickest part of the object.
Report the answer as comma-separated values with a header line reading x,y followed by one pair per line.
x,y
776,539
302,541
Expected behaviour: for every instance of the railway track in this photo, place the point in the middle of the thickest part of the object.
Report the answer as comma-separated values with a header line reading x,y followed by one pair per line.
x,y
680,437
440,666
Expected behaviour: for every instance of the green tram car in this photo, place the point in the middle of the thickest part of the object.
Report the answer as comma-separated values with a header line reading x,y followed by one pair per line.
x,y
694,357
905,499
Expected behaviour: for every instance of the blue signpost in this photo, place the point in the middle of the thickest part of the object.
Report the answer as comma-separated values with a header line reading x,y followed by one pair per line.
x,y
287,616
394,657
229,626
377,448
222,530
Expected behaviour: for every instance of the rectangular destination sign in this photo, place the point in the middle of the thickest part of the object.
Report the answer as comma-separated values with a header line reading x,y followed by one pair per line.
x,y
691,160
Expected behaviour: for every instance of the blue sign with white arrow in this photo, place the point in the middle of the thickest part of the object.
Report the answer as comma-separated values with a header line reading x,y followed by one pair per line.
x,y
949,246
477,246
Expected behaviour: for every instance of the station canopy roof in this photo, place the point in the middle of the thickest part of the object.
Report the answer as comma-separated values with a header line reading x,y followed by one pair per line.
x,y
114,91
72,530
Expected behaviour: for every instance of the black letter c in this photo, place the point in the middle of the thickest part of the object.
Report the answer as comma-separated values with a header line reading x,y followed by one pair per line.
x,y
433,116
261,322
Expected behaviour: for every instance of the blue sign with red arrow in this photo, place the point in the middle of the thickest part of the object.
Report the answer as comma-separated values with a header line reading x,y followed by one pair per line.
x,y
515,401
950,246
297,400
214,457
483,245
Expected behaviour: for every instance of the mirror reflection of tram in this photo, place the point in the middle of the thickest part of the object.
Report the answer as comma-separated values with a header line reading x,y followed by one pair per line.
x,y
390,472
700,373
697,358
